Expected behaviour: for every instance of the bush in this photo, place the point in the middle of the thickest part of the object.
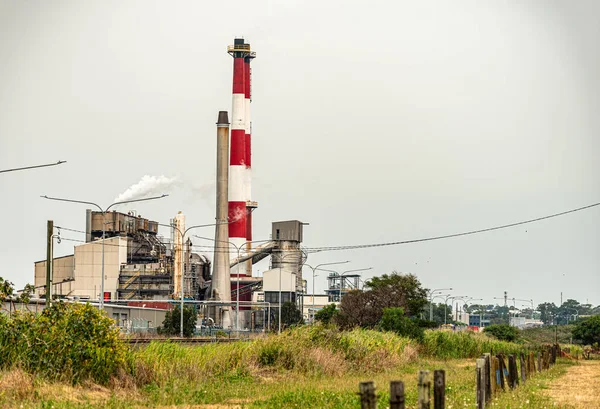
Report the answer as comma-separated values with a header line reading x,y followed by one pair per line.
x,y
326,314
588,331
394,320
365,308
290,314
172,322
465,344
69,342
503,332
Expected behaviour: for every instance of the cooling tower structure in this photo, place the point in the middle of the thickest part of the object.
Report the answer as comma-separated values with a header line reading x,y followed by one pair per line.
x,y
240,160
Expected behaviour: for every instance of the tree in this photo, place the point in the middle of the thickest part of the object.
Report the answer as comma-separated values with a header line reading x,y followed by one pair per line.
x,y
402,289
393,319
365,308
547,312
172,322
588,331
290,314
6,292
503,332
442,313
6,289
26,294
326,314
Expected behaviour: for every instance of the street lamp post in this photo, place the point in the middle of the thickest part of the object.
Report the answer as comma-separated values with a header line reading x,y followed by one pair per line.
x,y
449,297
469,300
431,292
103,211
237,295
313,279
349,271
445,296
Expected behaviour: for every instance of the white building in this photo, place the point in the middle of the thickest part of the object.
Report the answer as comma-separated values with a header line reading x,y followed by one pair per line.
x,y
81,272
313,304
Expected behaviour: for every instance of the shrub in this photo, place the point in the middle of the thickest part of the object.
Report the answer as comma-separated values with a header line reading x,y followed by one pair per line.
x,y
290,314
464,344
365,308
503,332
588,331
65,342
172,322
394,320
326,314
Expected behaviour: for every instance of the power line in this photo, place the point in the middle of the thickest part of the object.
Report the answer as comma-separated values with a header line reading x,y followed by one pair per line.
x,y
68,229
447,236
386,244
33,167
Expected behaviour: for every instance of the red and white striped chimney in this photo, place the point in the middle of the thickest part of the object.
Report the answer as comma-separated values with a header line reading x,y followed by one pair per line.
x,y
250,205
240,204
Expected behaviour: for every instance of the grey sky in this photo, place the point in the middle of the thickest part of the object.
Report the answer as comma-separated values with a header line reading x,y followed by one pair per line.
x,y
373,121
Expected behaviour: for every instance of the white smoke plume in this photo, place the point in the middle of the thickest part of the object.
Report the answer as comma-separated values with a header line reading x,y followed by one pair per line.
x,y
148,186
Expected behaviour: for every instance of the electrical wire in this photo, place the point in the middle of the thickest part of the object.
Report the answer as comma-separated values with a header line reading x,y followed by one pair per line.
x,y
207,248
60,162
447,236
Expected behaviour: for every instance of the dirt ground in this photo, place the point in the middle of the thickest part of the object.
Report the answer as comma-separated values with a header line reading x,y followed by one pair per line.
x,y
579,387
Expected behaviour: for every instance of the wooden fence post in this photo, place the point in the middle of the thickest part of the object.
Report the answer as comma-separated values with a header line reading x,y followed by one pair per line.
x,y
488,380
396,395
515,370
522,363
368,399
495,376
539,361
439,389
424,390
512,372
502,371
480,370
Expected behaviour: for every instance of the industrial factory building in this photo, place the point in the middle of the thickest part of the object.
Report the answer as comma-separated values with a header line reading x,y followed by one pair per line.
x,y
139,265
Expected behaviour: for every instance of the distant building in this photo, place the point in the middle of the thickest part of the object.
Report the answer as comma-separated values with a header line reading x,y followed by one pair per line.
x,y
461,316
476,320
313,304
522,322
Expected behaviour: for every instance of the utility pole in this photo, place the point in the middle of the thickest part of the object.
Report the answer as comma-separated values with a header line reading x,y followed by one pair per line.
x,y
49,262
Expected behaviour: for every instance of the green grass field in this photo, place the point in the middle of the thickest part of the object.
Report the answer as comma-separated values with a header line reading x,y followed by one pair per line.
x,y
315,367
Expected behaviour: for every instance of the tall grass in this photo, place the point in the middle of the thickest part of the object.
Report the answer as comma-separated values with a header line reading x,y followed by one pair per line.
x,y
312,351
463,344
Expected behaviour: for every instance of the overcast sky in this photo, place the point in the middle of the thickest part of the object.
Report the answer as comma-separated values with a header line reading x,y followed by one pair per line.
x,y
373,121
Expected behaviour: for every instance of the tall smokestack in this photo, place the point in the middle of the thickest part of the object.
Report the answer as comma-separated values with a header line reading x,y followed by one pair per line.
x,y
237,175
250,205
220,285
240,203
